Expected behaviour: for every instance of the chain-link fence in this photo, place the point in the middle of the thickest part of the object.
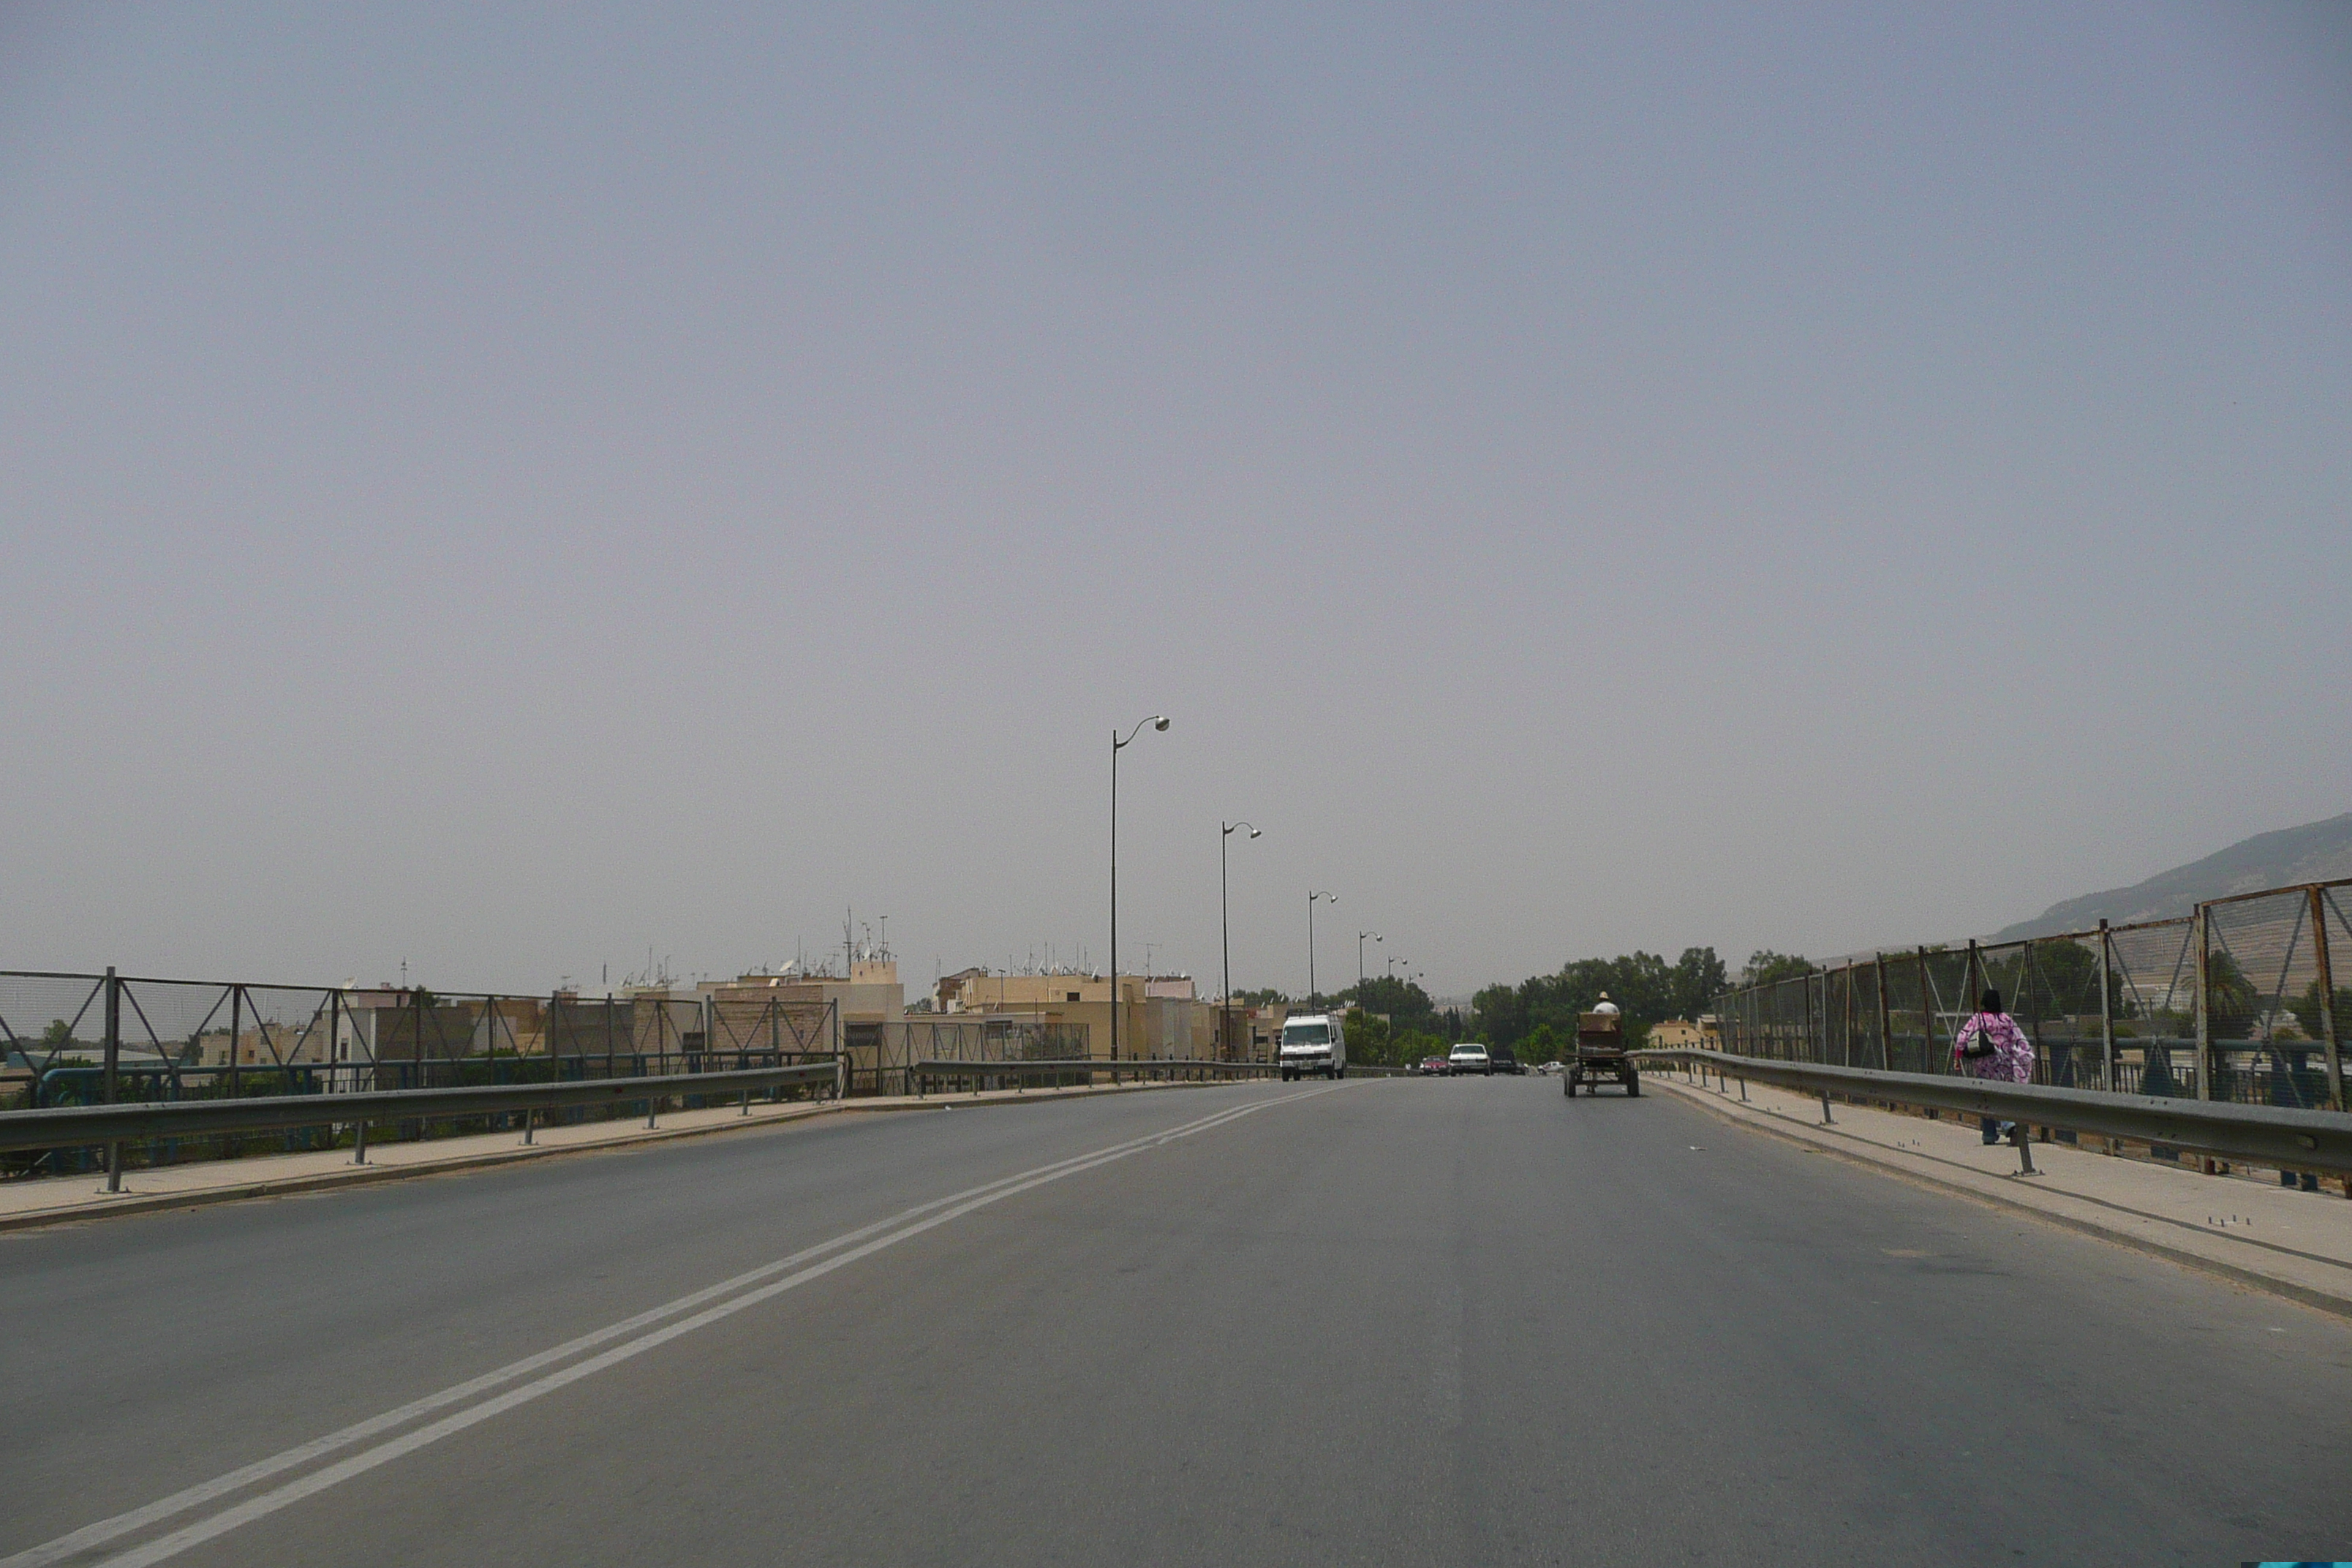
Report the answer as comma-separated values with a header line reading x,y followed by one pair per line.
x,y
90,1039
2240,1001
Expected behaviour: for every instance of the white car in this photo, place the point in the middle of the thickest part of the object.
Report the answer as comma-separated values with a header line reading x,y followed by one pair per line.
x,y
1469,1058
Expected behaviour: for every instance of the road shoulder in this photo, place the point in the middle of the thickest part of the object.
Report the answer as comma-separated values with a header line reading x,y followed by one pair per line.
x,y
65,1200
2292,1243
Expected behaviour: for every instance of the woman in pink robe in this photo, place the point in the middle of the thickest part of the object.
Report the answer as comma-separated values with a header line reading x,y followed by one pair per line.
x,y
2010,1059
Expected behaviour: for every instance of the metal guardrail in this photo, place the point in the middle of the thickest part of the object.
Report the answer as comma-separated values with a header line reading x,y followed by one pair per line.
x,y
114,1125
1144,1067
2269,1135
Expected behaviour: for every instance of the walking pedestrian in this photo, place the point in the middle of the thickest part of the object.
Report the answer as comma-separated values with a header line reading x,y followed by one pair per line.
x,y
1991,1045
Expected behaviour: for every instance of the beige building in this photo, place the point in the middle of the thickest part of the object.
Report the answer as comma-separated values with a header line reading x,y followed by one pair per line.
x,y
1160,1016
871,994
1679,1034
1260,1029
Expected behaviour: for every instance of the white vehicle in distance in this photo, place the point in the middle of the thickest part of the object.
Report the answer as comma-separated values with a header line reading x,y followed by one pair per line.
x,y
1469,1058
1314,1043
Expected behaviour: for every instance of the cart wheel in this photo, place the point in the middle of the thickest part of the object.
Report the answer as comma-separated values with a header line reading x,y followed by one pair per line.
x,y
1634,1086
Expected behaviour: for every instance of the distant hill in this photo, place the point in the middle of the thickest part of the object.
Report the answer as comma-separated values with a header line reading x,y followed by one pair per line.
x,y
2313,853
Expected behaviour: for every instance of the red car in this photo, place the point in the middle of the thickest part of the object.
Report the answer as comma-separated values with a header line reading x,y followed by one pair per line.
x,y
1434,1066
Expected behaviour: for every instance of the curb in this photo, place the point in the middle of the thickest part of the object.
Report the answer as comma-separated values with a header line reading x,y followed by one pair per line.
x,y
1857,1153
373,1176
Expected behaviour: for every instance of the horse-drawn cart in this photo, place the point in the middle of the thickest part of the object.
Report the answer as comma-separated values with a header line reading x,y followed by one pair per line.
x,y
1600,1054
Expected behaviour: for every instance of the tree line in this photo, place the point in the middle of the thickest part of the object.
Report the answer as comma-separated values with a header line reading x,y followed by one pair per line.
x,y
1397,1023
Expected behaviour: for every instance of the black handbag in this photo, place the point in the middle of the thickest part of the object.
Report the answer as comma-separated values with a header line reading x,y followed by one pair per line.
x,y
1981,1046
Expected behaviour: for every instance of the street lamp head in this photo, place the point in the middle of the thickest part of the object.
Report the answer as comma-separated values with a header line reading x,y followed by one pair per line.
x,y
1254,834
1120,743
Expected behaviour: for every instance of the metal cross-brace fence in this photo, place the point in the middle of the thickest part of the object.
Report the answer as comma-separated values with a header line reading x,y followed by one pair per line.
x,y
2238,1002
109,1039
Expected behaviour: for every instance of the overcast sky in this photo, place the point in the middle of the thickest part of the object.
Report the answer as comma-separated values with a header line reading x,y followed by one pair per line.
x,y
511,489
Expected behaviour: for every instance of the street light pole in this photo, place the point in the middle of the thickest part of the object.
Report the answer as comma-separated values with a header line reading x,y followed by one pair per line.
x,y
1360,961
1225,932
1313,996
1158,722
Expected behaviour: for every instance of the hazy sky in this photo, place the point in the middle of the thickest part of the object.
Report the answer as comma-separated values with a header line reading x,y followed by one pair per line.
x,y
509,488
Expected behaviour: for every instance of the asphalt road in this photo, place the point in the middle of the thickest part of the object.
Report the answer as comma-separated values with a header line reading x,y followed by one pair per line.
x,y
1385,1321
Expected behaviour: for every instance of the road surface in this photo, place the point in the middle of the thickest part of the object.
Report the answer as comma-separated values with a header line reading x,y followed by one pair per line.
x,y
1387,1321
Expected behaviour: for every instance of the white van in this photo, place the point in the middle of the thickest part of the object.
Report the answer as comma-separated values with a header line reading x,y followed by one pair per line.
x,y
1314,1043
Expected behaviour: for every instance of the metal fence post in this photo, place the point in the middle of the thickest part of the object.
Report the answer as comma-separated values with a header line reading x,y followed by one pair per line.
x,y
2204,1019
1808,1017
236,1032
2032,1012
113,1070
1845,1055
2106,1017
1927,1020
1885,1017
2327,999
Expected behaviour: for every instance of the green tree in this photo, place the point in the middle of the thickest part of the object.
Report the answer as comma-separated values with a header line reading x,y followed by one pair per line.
x,y
2231,999
1370,1038
1764,966
1645,987
1403,1003
2305,1008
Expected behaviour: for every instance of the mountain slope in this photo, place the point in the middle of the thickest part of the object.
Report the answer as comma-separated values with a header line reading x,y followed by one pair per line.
x,y
2313,853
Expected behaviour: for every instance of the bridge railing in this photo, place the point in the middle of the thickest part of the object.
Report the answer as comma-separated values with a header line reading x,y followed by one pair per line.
x,y
114,1128
2245,1000
70,1040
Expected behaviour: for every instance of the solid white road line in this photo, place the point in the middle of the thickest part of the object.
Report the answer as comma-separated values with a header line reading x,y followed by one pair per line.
x,y
862,1242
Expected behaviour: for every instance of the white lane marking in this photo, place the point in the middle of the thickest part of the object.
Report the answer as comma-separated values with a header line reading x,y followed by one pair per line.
x,y
963,1202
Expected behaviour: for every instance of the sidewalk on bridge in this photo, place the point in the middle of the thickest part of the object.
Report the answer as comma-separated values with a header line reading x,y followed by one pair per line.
x,y
57,1199
2289,1243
